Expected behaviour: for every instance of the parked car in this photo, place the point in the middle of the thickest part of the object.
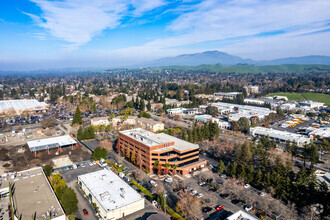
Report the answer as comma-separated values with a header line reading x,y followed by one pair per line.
x,y
82,165
200,195
187,188
194,192
206,209
248,208
155,203
219,207
201,183
153,183
90,164
262,194
85,212
223,175
247,186
168,180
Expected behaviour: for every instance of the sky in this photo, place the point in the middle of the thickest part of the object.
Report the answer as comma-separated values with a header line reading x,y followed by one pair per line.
x,y
37,34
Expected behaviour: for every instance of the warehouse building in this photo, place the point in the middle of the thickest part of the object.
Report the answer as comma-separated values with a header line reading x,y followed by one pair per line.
x,y
279,136
114,197
161,147
32,195
51,143
236,111
17,107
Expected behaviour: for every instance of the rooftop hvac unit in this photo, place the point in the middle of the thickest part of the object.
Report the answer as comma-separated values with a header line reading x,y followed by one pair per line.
x,y
122,195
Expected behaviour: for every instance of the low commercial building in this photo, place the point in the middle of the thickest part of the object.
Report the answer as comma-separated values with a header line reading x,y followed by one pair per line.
x,y
312,105
120,120
254,101
17,107
236,111
160,147
111,194
175,111
100,121
323,132
288,106
51,143
150,124
227,95
279,136
251,89
208,118
32,195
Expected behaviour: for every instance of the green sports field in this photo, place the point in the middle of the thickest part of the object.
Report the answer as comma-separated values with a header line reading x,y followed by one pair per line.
x,y
316,97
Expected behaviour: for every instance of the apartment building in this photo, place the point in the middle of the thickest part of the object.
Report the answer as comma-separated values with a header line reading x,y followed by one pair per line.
x,y
163,148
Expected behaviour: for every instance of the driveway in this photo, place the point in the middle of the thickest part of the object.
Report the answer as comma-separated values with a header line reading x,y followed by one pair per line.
x,y
83,203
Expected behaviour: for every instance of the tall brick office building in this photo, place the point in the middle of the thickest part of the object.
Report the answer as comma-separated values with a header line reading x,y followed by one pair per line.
x,y
161,147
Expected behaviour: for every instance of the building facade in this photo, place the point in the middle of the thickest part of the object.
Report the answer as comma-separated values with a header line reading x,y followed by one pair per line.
x,y
151,148
100,121
150,124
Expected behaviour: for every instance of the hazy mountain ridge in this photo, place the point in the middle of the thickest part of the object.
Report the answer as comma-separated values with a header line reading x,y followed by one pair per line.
x,y
217,57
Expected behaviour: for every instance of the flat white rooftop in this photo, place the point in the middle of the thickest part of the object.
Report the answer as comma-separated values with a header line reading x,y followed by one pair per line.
x,y
151,139
21,104
240,215
110,190
283,135
53,142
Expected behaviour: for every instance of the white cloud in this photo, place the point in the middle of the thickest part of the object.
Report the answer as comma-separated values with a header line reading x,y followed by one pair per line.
x,y
78,21
245,22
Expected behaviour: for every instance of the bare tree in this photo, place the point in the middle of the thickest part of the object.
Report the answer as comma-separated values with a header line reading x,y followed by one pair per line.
x,y
140,175
189,206
48,122
107,144
159,189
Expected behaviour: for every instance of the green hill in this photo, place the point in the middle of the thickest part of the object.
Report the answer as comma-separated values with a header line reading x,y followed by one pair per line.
x,y
316,97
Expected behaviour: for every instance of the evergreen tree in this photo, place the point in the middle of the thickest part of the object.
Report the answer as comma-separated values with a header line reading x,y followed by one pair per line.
x,y
149,105
221,167
258,178
77,117
250,174
184,135
80,134
142,106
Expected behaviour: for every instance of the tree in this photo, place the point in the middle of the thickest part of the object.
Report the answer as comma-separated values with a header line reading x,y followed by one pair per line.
x,y
77,117
144,115
139,159
212,110
184,135
142,106
250,174
178,95
189,206
258,178
174,167
133,156
48,122
292,148
149,106
313,154
254,120
221,167
244,124
167,166
80,134
235,126
48,169
99,153
69,201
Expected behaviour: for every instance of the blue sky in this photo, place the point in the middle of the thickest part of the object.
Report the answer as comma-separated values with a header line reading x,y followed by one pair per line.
x,y
109,33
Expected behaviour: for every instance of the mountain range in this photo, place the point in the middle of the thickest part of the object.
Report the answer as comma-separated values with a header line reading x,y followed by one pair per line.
x,y
218,57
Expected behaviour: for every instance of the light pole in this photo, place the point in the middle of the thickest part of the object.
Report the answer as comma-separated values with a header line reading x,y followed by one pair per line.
x,y
165,195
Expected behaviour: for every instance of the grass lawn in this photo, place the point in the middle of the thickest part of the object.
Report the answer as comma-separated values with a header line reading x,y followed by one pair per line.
x,y
317,97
